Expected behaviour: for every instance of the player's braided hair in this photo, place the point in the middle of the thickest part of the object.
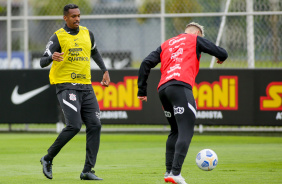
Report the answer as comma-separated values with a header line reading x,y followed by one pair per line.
x,y
201,28
69,6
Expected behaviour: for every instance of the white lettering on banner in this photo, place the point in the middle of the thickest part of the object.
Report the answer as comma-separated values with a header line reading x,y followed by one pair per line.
x,y
279,116
178,110
209,115
174,41
113,115
177,53
15,63
97,115
175,67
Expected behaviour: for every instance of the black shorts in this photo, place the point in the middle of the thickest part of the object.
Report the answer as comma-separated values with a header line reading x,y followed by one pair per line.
x,y
79,106
178,100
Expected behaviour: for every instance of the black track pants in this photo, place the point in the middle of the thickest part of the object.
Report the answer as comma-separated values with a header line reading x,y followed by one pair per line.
x,y
180,110
78,107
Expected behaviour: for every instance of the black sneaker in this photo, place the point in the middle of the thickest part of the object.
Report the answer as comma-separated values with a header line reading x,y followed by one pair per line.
x,y
89,176
47,168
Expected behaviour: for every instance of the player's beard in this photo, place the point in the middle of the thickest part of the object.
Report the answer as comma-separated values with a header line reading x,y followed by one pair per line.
x,y
76,24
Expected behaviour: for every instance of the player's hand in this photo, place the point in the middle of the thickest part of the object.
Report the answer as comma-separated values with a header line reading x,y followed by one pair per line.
x,y
58,56
106,79
142,98
218,61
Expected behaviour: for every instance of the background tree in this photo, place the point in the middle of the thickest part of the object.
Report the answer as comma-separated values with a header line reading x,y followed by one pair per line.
x,y
3,10
55,7
173,25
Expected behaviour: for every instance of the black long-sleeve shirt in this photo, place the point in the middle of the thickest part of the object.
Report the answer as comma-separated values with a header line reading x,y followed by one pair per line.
x,y
54,46
202,45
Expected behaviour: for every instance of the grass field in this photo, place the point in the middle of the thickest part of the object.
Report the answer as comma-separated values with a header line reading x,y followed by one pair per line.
x,y
139,159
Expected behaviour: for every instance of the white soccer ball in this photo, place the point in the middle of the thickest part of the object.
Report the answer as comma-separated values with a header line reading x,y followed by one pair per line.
x,y
206,160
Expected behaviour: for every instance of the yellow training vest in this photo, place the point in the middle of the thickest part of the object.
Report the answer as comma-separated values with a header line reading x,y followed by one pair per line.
x,y
75,68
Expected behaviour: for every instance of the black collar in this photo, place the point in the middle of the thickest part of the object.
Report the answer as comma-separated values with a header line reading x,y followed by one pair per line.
x,y
71,31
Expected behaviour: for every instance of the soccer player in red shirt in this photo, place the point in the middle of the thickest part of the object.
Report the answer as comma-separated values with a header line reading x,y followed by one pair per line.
x,y
179,57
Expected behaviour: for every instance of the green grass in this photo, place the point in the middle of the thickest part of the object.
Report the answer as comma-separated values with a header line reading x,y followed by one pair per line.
x,y
139,159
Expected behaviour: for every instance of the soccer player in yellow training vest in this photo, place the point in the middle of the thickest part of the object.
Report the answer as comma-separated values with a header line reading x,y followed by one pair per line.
x,y
69,50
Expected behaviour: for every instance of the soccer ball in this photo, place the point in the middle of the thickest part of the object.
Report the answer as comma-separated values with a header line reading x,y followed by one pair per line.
x,y
206,159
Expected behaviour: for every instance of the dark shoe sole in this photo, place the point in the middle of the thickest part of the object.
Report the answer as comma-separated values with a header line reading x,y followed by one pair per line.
x,y
91,179
87,178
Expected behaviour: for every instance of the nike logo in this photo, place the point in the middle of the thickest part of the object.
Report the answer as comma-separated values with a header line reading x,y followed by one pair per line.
x,y
17,98
119,64
75,39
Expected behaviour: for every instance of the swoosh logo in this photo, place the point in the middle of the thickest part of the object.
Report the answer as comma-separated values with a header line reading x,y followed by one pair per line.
x,y
17,98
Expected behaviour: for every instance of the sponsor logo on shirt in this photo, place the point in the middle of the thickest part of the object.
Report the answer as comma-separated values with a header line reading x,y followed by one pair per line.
x,y
174,41
78,76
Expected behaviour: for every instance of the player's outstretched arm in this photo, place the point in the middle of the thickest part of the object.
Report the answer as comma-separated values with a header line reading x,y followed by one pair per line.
x,y
206,46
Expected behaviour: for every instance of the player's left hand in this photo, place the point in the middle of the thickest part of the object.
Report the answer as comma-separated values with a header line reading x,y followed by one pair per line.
x,y
106,79
218,61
